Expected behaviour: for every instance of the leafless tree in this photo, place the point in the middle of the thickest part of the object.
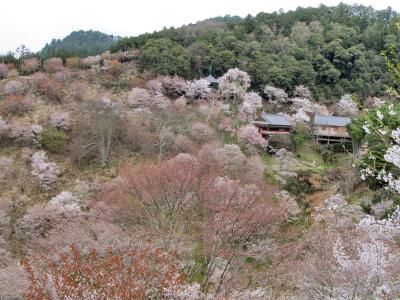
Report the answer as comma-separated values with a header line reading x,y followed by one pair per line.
x,y
101,124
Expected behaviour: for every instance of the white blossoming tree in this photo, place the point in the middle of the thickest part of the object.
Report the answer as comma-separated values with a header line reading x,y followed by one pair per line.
x,y
43,171
276,95
198,89
347,107
234,84
380,130
252,103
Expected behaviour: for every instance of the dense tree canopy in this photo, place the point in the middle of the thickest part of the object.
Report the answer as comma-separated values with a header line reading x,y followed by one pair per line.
x,y
78,43
332,50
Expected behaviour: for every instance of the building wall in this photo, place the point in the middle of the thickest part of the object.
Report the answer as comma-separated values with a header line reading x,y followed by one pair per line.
x,y
331,131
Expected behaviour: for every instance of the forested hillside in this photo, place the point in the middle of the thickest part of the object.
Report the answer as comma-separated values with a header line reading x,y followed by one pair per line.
x,y
78,43
120,182
332,50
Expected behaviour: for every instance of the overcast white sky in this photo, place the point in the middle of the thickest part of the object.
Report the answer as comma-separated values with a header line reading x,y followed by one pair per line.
x,y
35,22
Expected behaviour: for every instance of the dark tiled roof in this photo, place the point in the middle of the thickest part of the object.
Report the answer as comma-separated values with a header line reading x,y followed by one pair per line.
x,y
275,120
331,121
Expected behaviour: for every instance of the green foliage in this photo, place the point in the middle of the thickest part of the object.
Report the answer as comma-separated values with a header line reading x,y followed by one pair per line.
x,y
53,140
332,50
165,57
78,43
393,65
328,156
366,207
299,135
300,185
278,141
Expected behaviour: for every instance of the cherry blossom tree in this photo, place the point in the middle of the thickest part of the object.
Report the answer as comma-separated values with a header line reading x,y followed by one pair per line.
x,y
166,197
276,95
231,157
139,274
347,107
30,65
14,87
234,83
301,91
235,214
138,97
226,125
374,102
201,132
53,65
303,107
252,103
173,86
79,90
198,89
90,61
16,105
61,120
48,87
251,139
23,133
43,171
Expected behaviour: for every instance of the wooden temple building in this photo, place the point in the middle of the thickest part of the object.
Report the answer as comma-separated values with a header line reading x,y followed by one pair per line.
x,y
270,124
330,129
325,129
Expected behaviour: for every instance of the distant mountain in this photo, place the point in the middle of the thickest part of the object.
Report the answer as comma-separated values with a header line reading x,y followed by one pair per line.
x,y
79,43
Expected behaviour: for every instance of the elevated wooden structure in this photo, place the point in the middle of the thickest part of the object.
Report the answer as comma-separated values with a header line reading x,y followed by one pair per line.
x,y
271,124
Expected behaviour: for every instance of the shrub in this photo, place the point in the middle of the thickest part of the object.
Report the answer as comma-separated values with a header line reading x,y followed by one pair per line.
x,y
155,86
73,62
16,105
30,65
299,136
114,67
48,87
61,76
3,71
53,140
328,156
14,87
201,132
300,185
53,65
79,90
280,141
